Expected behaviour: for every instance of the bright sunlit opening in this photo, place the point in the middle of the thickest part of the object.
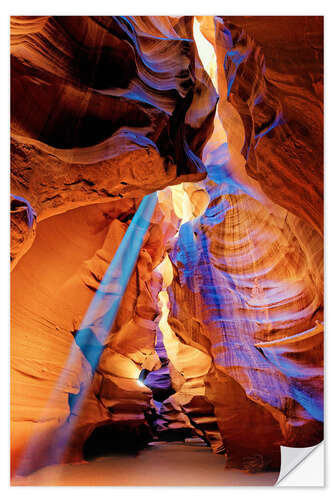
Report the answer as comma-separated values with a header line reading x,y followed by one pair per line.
x,y
206,52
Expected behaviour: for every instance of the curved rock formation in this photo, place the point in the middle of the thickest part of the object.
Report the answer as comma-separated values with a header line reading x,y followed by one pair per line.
x,y
220,330
240,279
48,321
274,79
22,227
104,107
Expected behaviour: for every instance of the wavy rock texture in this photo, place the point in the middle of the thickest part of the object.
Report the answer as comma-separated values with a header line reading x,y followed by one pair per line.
x,y
159,380
105,107
274,79
189,406
240,279
230,273
22,227
44,326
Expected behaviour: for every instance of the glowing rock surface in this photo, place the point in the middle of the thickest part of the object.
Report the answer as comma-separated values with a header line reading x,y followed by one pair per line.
x,y
222,116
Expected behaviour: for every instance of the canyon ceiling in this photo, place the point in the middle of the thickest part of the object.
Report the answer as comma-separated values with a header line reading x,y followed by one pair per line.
x,y
221,321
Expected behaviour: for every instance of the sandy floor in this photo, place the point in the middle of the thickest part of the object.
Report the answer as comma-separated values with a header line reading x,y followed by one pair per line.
x,y
162,464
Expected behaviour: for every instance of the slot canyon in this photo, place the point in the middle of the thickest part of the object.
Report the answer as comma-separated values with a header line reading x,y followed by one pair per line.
x,y
166,247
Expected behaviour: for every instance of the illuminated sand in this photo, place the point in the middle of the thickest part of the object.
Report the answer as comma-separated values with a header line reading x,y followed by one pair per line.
x,y
162,464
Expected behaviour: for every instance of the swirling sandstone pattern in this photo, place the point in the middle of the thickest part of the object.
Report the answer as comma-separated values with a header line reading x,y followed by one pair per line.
x,y
274,75
105,107
242,279
225,304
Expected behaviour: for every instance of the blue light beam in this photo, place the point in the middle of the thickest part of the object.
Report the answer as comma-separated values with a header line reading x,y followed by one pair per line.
x,y
94,329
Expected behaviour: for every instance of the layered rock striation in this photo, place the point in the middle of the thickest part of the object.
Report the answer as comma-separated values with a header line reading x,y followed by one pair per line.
x,y
104,107
223,313
242,292
273,69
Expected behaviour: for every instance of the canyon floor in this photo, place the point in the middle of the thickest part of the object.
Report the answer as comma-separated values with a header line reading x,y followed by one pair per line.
x,y
161,464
